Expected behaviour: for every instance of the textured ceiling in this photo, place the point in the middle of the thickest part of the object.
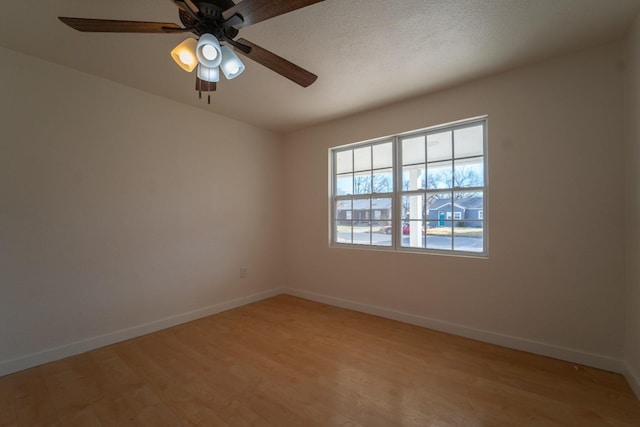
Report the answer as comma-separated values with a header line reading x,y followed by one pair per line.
x,y
366,52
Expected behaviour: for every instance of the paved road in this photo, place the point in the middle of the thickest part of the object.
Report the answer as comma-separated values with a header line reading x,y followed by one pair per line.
x,y
472,244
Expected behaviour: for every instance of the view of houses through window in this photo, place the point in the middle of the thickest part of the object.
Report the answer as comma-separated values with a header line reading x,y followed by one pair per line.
x,y
419,191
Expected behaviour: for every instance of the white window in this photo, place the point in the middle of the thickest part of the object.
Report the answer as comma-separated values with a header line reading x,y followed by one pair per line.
x,y
456,215
415,187
363,183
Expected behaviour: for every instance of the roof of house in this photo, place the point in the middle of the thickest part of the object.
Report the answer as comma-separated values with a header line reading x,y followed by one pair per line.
x,y
464,203
364,204
385,203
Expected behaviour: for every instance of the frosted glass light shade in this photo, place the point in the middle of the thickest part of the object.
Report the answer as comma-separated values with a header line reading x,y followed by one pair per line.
x,y
208,51
208,74
185,55
231,65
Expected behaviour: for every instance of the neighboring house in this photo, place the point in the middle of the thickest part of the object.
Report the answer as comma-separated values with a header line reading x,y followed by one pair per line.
x,y
364,210
464,212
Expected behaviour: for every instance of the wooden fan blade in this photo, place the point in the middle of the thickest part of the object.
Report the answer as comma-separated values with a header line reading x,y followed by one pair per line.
x,y
111,26
254,11
280,65
191,6
186,8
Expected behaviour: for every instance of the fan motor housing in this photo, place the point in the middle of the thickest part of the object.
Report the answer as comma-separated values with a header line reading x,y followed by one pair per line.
x,y
210,19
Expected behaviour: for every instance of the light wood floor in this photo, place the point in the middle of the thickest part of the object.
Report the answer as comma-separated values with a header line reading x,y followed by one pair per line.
x,y
291,362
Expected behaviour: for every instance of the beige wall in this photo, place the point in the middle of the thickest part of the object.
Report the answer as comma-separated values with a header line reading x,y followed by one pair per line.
x,y
633,209
554,278
120,208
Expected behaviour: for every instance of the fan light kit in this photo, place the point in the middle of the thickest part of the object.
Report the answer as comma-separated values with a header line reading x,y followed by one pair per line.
x,y
185,55
213,22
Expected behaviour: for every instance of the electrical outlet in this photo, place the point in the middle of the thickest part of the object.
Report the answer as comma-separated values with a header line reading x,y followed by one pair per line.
x,y
244,272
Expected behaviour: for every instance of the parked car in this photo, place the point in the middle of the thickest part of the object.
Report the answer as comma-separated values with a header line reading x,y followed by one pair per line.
x,y
405,229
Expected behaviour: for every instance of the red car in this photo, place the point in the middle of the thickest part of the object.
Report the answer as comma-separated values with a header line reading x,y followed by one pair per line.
x,y
405,229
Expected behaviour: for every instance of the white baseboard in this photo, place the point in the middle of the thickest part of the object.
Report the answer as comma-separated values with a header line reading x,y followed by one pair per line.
x,y
633,379
557,352
71,349
550,350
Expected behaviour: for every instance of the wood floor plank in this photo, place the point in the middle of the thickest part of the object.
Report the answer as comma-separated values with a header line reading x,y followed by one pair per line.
x,y
33,402
286,361
7,407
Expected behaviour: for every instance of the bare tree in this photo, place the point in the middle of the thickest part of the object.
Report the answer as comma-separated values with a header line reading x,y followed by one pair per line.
x,y
382,184
463,177
362,184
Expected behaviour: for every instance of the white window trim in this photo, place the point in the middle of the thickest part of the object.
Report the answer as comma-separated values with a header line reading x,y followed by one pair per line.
x,y
397,193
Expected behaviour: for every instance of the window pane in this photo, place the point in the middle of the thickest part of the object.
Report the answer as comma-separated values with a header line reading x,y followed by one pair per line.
x,y
380,239
344,185
362,183
383,181
387,228
439,237
413,150
406,207
439,147
438,209
468,236
362,158
469,141
343,214
383,155
471,206
413,177
344,161
343,232
469,172
382,210
382,227
413,207
361,234
413,235
439,175
361,211
362,221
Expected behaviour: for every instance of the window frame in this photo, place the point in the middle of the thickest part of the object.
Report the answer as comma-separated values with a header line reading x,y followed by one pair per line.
x,y
397,193
362,196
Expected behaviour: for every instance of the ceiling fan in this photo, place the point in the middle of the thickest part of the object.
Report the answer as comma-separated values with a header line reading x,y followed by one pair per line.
x,y
213,22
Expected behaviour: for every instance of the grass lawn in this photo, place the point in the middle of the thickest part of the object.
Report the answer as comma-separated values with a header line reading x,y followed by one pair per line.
x,y
438,231
459,231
